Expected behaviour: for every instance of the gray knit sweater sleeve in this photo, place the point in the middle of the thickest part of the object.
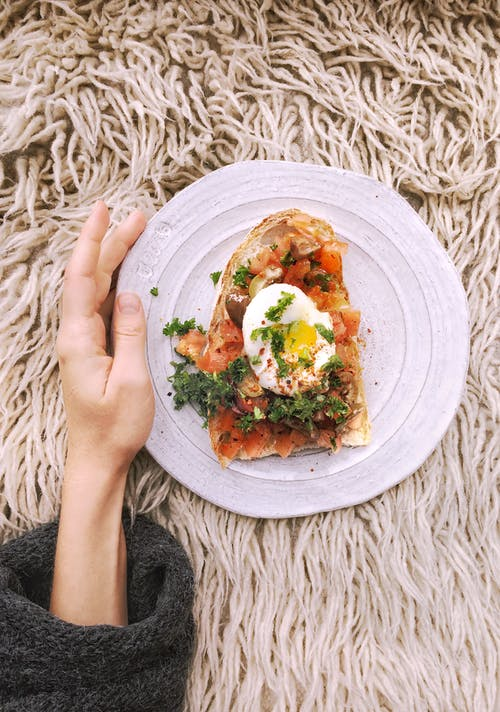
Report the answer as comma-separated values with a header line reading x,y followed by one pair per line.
x,y
47,664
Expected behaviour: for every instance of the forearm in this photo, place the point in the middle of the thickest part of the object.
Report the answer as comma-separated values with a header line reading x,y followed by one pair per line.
x,y
90,570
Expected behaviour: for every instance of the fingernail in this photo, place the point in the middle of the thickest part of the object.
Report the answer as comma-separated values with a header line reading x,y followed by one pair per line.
x,y
128,303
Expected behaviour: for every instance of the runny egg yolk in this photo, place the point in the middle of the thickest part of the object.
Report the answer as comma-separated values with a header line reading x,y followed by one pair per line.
x,y
299,335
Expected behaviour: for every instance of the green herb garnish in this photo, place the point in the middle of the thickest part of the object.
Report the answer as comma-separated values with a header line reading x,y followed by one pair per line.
x,y
274,246
322,279
181,327
274,334
215,276
241,276
275,313
154,291
287,260
336,409
247,422
325,333
334,363
305,360
238,369
303,406
255,360
206,391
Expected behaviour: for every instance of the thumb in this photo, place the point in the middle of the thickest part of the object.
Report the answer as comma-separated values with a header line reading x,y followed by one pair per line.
x,y
129,338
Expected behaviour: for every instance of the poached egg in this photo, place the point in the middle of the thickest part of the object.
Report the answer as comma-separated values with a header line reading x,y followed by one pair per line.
x,y
287,339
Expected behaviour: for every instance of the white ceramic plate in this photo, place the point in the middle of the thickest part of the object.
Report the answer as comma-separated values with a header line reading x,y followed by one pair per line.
x,y
414,322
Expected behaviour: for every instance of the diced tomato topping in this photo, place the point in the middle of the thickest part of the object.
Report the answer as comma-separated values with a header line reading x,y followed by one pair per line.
x,y
256,440
351,318
230,448
298,438
230,333
226,345
217,360
325,439
283,443
286,439
229,436
331,259
265,258
191,344
321,299
295,273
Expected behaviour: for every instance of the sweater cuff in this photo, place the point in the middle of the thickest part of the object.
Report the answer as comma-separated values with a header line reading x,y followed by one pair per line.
x,y
46,663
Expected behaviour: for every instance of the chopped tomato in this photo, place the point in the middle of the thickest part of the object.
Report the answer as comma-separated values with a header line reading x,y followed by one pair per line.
x,y
217,360
287,439
295,273
262,259
283,443
321,299
331,259
229,437
230,448
298,438
351,317
225,346
224,420
327,438
256,440
230,333
191,344
324,438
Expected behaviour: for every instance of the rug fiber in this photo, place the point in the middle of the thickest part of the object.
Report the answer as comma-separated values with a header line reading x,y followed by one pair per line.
x,y
391,605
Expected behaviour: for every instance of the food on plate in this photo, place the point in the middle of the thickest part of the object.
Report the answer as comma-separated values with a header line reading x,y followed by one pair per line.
x,y
278,369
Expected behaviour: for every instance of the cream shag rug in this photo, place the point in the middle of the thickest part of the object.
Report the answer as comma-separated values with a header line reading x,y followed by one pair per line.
x,y
386,606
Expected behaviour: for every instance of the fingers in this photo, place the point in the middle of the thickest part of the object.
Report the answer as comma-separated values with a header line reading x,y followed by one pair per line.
x,y
129,339
115,247
79,294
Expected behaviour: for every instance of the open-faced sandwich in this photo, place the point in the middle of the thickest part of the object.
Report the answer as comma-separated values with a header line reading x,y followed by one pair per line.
x,y
278,369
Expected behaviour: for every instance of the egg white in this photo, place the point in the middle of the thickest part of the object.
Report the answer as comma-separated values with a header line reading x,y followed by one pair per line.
x,y
259,352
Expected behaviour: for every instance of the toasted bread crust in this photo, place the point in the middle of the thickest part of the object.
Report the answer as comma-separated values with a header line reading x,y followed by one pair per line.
x,y
356,433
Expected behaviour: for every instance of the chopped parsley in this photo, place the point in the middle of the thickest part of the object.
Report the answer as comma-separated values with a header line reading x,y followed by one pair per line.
x,y
154,291
336,409
322,279
241,275
181,327
325,333
334,363
237,369
255,360
274,246
215,276
206,391
247,421
275,313
274,334
303,406
287,260
305,360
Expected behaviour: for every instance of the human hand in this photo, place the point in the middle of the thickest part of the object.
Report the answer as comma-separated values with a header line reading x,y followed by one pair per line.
x,y
109,399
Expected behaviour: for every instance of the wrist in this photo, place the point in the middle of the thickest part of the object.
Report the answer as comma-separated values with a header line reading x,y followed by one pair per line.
x,y
91,487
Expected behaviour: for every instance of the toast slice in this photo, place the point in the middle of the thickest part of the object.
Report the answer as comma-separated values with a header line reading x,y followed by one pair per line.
x,y
301,250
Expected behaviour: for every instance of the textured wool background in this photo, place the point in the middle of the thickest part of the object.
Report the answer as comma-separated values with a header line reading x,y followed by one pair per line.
x,y
390,605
